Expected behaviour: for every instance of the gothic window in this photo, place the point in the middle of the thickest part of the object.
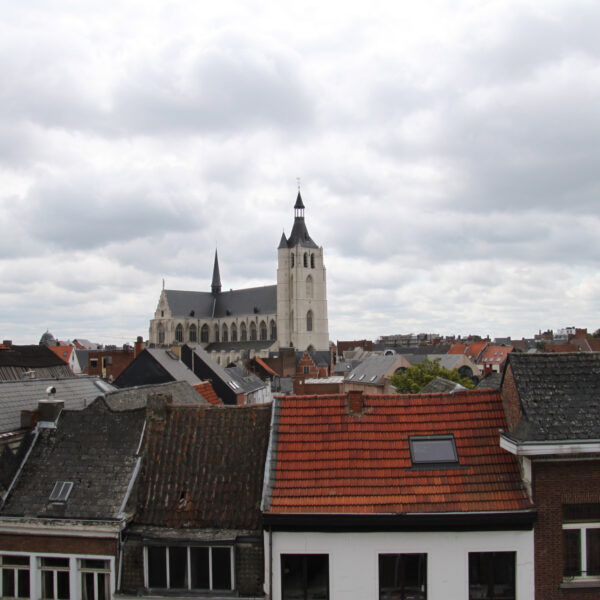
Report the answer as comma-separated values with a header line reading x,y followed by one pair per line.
x,y
161,334
193,333
309,286
273,330
305,259
312,261
309,320
179,333
253,331
204,334
233,333
224,334
263,330
216,333
292,259
291,288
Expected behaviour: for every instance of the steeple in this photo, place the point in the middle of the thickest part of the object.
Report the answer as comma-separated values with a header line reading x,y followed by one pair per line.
x,y
216,280
299,233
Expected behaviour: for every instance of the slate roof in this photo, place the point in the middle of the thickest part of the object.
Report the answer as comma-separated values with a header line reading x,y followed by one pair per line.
x,y
373,369
75,392
203,468
560,395
247,381
299,234
325,459
95,449
491,381
171,363
231,303
321,358
16,360
181,392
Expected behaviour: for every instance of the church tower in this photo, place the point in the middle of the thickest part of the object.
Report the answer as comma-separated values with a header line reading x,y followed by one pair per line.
x,y
301,289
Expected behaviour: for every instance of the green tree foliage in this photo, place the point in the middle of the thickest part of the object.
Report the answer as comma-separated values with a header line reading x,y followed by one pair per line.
x,y
415,378
596,333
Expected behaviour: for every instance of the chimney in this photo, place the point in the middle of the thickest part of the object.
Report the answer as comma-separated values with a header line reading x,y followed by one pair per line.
x,y
356,402
7,343
156,407
49,411
139,346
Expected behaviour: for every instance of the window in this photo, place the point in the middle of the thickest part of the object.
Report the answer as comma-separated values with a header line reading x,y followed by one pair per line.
x,y
273,330
204,334
233,332
179,333
263,330
305,576
305,259
312,261
224,334
309,286
161,334
581,540
14,576
190,567
193,333
492,575
95,579
243,333
403,576
216,333
309,320
292,260
106,361
433,450
93,363
55,578
306,370
253,331
60,492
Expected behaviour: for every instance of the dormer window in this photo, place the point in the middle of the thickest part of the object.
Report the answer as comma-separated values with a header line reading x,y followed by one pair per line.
x,y
433,451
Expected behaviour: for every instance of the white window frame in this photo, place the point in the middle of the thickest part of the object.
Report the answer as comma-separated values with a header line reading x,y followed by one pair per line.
x,y
188,565
582,527
15,569
104,572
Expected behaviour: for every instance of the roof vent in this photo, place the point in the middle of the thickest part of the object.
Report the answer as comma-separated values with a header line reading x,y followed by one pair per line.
x,y
192,313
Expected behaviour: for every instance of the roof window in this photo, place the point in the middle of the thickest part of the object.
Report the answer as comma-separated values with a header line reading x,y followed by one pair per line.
x,y
60,491
433,450
234,385
361,377
373,378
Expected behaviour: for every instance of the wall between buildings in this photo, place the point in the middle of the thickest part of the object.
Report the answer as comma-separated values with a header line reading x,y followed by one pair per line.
x,y
354,559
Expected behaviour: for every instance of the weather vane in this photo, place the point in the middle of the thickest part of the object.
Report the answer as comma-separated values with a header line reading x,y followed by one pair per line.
x,y
298,180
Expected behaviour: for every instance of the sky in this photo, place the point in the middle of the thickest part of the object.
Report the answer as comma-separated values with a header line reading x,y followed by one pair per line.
x,y
448,155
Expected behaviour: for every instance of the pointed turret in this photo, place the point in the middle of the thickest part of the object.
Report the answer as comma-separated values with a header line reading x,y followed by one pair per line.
x,y
216,280
299,233
283,243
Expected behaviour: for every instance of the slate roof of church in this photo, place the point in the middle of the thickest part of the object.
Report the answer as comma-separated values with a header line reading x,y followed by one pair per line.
x,y
96,449
325,459
232,303
203,468
75,392
559,394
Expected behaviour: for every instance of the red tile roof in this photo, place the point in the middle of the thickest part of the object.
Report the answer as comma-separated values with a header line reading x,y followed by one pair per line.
x,y
63,352
206,390
331,461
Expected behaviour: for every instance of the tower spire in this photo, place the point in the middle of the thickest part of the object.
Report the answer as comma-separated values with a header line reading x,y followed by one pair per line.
x,y
216,279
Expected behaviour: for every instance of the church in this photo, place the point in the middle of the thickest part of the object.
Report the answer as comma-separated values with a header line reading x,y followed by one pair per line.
x,y
254,321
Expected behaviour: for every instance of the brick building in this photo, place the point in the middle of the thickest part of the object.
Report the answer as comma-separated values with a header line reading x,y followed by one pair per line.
x,y
552,403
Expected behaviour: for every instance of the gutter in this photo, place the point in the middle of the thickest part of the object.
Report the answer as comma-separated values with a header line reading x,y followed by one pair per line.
x,y
548,447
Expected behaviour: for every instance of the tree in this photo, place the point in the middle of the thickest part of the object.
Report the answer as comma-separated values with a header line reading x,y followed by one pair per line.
x,y
596,333
415,378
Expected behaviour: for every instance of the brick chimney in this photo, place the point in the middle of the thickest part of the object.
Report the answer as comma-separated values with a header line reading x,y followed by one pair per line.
x,y
49,411
139,346
156,406
356,402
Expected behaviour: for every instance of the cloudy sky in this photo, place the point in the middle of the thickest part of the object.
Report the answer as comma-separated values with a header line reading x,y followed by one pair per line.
x,y
449,156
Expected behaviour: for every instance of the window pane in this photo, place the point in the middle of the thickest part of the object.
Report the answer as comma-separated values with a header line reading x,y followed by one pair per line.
x,y
199,565
23,579
433,450
581,512
157,567
292,577
221,568
317,577
63,585
492,575
8,583
402,576
87,585
21,561
571,552
103,587
178,567
305,576
593,551
47,584
55,562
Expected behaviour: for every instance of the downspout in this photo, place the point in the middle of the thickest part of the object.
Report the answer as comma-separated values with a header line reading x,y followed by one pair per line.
x,y
270,563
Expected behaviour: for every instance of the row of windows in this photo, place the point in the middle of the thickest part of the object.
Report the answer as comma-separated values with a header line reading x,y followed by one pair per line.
x,y
224,333
305,260
52,576
401,576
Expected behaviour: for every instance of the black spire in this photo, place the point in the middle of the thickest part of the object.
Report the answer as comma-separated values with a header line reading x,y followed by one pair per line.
x,y
216,281
299,233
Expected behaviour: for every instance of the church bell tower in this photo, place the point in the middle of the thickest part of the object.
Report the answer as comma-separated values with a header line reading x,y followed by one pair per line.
x,y
301,289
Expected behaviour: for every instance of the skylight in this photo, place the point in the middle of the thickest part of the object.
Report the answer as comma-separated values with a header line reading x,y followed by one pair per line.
x,y
433,450
234,385
60,491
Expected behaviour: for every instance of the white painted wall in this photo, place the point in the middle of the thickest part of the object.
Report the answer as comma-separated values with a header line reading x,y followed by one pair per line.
x,y
353,559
